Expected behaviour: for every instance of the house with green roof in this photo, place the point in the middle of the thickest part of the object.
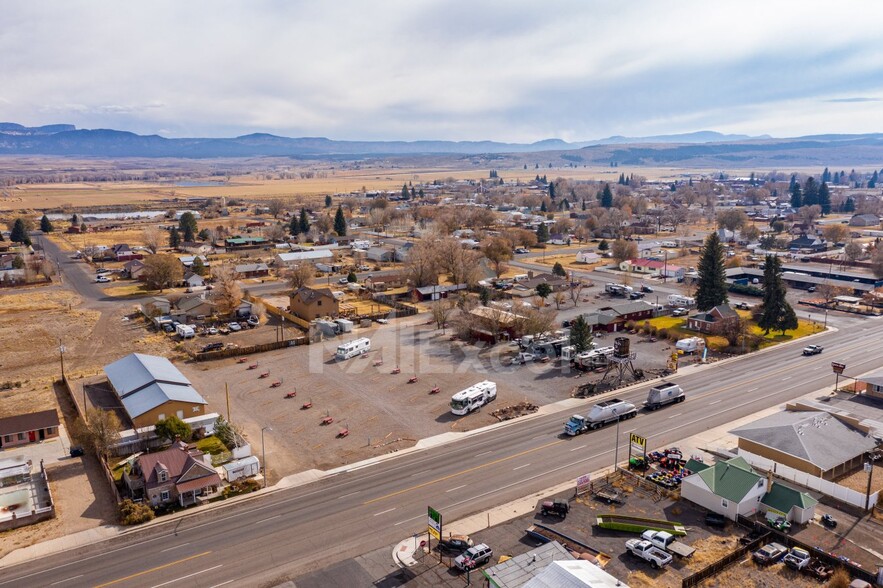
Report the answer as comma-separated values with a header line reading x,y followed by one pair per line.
x,y
729,488
793,505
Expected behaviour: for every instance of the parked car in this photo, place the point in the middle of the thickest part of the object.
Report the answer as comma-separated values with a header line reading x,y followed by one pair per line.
x,y
211,331
102,270
521,250
743,306
679,312
364,268
225,330
713,519
455,544
647,289
474,557
636,295
76,451
102,280
797,558
233,326
770,553
253,321
343,281
168,328
780,524
812,349
213,347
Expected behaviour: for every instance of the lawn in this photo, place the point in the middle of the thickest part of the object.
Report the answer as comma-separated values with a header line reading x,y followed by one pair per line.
x,y
211,445
130,290
678,325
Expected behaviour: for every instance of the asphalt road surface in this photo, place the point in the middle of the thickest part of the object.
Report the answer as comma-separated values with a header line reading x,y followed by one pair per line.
x,y
302,529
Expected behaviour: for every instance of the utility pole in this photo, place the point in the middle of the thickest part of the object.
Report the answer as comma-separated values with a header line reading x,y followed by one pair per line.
x,y
264,453
616,450
227,393
869,467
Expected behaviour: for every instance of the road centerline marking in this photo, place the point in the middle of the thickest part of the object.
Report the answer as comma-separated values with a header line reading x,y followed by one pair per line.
x,y
377,514
66,580
175,547
521,466
674,416
582,447
157,568
188,576
457,488
267,519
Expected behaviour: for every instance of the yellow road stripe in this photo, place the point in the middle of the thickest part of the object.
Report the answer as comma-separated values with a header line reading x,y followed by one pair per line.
x,y
460,473
117,581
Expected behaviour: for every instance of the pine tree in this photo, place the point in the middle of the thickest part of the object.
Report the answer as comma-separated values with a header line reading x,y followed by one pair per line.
x,y
776,314
328,201
849,204
872,183
198,266
20,232
825,198
188,227
810,192
603,245
420,192
174,238
580,334
75,220
1,237
294,226
559,270
543,207
584,204
405,193
303,224
339,222
552,190
826,176
542,233
712,285
792,183
607,197
45,225
796,197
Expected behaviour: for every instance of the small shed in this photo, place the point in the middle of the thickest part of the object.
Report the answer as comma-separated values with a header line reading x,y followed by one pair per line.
x,y
794,506
241,468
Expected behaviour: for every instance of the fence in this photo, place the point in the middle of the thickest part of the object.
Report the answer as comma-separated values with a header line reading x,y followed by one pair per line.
x,y
841,493
400,308
260,348
275,310
723,563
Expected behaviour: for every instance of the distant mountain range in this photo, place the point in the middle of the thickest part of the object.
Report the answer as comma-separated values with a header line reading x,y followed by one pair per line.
x,y
705,147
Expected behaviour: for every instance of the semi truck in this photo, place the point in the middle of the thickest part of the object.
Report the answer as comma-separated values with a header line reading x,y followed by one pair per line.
x,y
602,413
473,397
664,393
668,542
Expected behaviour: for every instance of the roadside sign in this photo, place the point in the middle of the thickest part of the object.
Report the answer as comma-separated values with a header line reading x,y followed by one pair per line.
x,y
838,367
583,484
434,521
638,443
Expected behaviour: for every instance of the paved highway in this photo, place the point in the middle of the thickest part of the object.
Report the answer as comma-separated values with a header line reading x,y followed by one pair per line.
x,y
306,528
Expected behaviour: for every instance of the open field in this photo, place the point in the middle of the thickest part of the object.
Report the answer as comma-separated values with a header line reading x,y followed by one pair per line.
x,y
69,241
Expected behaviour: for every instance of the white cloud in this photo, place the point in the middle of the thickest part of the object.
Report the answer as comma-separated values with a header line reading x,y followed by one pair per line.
x,y
515,70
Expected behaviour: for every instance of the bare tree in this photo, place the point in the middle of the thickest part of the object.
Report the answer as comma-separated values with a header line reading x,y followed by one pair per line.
x,y
276,233
152,237
852,251
276,206
534,321
453,259
228,292
559,298
877,262
300,275
576,290
622,250
441,309
835,233
99,432
162,271
809,214
498,251
422,266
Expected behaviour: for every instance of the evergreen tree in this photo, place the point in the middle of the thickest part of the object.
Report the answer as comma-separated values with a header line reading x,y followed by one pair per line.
x,y
543,207
174,238
405,193
303,224
796,196
849,204
20,232
552,190
792,183
339,222
580,334
198,266
603,245
204,235
712,284
775,313
414,192
294,226
825,198
542,233
328,201
45,225
872,183
18,262
584,204
187,225
543,290
826,176
420,192
75,220
484,295
607,197
810,192
1,237
559,270
351,277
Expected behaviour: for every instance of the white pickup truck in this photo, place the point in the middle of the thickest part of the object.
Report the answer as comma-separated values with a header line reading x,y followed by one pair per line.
x,y
668,542
656,557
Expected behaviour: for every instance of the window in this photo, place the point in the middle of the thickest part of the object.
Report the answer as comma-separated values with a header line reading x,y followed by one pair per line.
x,y
181,414
760,483
48,430
724,503
195,409
162,476
7,438
164,495
161,417
21,436
319,303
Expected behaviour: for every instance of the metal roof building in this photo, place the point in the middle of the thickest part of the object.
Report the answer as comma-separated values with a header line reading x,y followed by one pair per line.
x,y
145,384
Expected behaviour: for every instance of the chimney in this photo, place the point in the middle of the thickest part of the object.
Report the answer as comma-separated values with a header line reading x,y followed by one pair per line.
x,y
529,274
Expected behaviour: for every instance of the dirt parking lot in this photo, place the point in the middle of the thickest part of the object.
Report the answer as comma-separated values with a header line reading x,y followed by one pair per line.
x,y
381,410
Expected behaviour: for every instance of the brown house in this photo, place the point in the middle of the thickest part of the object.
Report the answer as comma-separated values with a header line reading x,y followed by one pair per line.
x,y
177,474
310,304
714,320
22,429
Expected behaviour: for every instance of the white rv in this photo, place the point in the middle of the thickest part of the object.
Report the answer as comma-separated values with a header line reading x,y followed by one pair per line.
x,y
681,301
473,397
185,331
353,348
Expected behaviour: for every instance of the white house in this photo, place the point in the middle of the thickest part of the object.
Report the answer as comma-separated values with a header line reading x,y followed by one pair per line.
x,y
296,257
380,254
729,488
587,257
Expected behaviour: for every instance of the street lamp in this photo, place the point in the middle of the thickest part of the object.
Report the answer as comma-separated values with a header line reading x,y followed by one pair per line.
x,y
264,453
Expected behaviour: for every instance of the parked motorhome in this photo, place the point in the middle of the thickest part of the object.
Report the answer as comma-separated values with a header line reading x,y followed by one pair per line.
x,y
473,398
353,348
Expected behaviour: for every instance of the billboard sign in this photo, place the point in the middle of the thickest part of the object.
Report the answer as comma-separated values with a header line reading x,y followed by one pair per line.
x,y
434,520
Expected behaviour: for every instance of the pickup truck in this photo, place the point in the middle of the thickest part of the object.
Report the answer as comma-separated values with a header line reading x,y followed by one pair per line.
x,y
648,552
797,558
812,349
668,542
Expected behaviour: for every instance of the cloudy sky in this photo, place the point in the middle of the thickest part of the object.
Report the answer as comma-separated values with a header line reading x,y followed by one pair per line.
x,y
512,70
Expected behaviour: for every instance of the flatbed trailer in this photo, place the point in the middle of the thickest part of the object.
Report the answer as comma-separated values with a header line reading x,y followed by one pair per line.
x,y
639,524
545,534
